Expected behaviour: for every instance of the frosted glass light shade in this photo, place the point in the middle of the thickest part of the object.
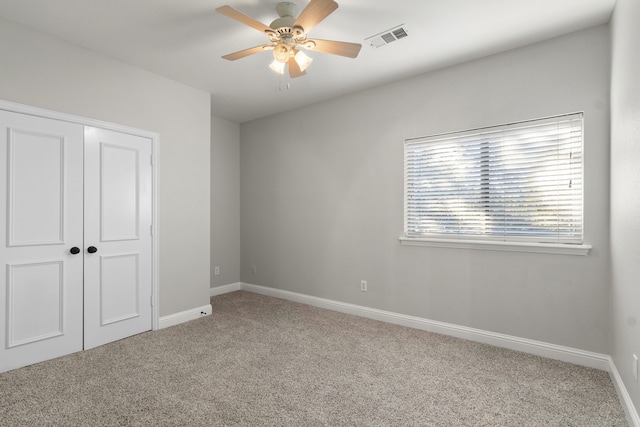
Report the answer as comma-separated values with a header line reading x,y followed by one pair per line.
x,y
277,66
303,60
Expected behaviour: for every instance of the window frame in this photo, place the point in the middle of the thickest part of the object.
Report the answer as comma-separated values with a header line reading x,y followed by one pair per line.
x,y
492,241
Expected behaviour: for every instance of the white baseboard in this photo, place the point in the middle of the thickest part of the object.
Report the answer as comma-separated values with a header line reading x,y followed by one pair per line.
x,y
184,316
538,348
194,313
625,399
224,289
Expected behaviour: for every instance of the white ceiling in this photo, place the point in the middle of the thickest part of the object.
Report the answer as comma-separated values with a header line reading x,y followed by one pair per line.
x,y
184,40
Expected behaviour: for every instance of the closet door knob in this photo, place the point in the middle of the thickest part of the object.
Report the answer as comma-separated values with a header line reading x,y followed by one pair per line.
x,y
75,250
92,249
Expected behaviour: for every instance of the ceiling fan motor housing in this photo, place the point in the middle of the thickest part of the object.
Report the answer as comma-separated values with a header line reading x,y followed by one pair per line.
x,y
284,24
287,9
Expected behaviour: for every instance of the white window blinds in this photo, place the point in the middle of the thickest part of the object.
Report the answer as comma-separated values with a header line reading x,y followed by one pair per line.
x,y
521,181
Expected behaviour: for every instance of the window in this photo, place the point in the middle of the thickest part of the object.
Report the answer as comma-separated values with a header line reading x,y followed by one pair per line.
x,y
520,182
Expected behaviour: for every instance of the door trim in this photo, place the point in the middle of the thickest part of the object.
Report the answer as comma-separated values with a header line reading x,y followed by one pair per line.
x,y
155,139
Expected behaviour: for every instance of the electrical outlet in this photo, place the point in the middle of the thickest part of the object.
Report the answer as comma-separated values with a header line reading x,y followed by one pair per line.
x,y
216,271
635,367
254,269
363,285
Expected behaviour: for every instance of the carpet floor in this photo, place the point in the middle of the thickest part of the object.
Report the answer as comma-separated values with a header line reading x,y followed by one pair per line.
x,y
261,361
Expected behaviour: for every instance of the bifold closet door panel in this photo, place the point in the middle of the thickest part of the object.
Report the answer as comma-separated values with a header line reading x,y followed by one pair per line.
x,y
118,245
41,208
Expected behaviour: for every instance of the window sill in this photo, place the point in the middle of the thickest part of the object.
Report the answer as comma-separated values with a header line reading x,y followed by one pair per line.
x,y
541,248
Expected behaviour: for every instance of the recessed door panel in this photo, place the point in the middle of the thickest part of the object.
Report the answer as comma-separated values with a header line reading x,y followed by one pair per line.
x,y
35,302
119,192
41,208
119,288
36,188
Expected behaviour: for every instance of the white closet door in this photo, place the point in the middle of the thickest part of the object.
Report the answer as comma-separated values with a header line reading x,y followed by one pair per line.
x,y
118,218
41,181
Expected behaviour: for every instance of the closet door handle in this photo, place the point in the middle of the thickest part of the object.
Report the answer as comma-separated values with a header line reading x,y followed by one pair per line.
x,y
92,249
75,250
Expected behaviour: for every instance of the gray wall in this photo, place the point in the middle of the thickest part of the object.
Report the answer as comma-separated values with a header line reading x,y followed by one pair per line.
x,y
44,72
625,193
322,197
225,201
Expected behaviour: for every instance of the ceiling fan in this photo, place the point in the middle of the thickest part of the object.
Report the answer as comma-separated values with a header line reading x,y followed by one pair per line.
x,y
287,34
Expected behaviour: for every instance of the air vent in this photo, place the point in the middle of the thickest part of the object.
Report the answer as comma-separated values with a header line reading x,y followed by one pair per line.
x,y
388,36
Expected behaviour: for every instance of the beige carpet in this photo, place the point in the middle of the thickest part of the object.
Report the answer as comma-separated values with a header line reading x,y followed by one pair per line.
x,y
260,361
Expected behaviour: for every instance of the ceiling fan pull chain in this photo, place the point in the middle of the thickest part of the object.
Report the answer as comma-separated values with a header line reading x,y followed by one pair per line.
x,y
287,85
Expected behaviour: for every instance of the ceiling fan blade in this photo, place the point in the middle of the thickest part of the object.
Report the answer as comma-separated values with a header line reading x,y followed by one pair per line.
x,y
230,12
294,69
350,50
315,12
247,52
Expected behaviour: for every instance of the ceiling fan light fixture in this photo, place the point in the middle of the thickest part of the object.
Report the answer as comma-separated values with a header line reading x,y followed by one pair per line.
x,y
281,53
303,60
288,33
276,66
